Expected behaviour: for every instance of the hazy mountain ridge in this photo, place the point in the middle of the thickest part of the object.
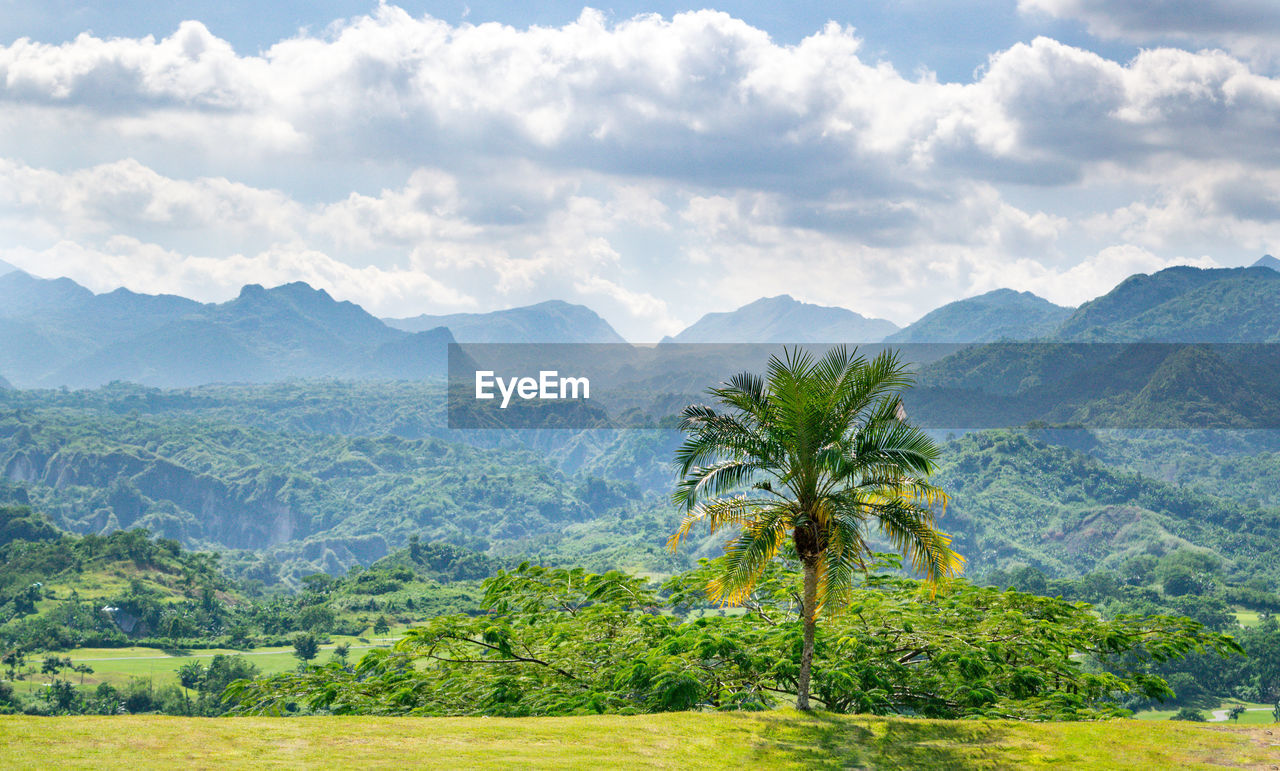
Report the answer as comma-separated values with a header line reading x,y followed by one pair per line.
x,y
783,319
554,321
1001,314
59,333
54,332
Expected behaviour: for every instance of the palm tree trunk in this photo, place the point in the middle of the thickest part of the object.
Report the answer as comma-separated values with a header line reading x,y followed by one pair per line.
x,y
809,612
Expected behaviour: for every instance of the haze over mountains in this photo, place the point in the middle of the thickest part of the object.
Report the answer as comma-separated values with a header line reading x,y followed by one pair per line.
x,y
54,332
332,474
782,319
554,321
1266,261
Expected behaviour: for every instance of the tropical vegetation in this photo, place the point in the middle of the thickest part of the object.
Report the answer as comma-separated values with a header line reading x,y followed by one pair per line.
x,y
808,457
558,641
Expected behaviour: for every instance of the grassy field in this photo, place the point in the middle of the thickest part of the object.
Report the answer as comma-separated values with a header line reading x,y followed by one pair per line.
x,y
118,665
1247,618
781,739
1255,714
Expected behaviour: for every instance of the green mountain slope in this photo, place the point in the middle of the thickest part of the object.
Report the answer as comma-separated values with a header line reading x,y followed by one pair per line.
x,y
1183,304
329,475
1002,314
324,500
1015,500
1138,385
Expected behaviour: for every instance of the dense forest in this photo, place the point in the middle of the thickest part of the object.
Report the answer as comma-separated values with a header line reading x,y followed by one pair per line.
x,y
391,519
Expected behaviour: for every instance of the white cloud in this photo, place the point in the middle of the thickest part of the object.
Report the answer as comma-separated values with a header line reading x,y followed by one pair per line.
x,y
645,307
1089,278
1248,27
698,99
152,269
127,194
690,163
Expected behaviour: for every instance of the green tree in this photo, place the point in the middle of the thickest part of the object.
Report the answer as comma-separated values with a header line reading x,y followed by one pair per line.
x,y
191,674
811,454
1190,714
83,669
53,665
557,641
305,646
13,660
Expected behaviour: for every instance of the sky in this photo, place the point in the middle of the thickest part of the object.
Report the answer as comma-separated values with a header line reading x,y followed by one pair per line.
x,y
653,161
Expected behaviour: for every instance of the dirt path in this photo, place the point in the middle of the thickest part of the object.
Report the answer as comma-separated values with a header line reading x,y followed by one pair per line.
x,y
1220,715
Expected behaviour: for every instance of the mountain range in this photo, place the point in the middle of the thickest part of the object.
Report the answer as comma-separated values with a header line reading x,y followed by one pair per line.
x,y
332,473
1183,304
1002,314
54,332
57,333
554,321
783,319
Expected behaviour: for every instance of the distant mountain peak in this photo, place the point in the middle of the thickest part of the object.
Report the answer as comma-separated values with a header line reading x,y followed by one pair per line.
x,y
298,293
22,293
1267,261
300,289
1001,314
550,321
783,319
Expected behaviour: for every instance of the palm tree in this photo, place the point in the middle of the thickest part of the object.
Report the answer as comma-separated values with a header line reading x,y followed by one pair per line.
x,y
814,453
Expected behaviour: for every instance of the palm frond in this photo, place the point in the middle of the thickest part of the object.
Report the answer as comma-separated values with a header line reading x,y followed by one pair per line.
x,y
724,477
716,514
911,530
842,561
746,556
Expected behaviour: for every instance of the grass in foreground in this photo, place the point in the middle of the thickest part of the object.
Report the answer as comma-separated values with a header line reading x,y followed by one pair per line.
x,y
778,739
